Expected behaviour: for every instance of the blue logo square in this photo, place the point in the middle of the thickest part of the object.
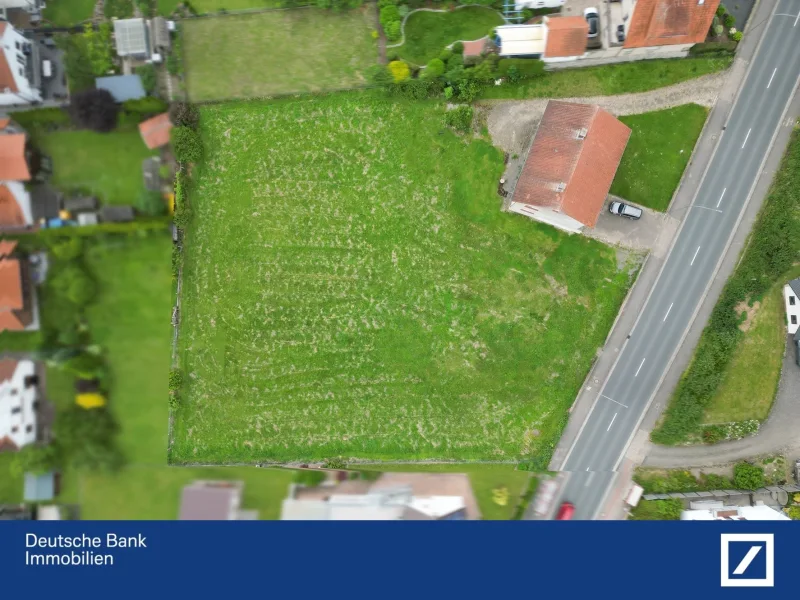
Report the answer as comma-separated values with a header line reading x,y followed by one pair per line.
x,y
744,562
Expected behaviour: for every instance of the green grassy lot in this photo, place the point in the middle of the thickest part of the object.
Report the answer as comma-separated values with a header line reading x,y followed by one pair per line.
x,y
303,50
62,13
657,510
427,33
352,288
606,80
131,320
108,165
165,7
751,379
10,480
657,154
483,477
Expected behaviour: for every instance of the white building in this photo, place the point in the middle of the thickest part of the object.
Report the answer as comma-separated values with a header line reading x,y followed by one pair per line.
x,y
18,403
791,296
716,511
20,71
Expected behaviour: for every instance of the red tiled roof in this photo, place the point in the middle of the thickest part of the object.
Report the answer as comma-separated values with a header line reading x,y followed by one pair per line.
x,y
4,122
566,36
585,166
665,22
13,166
11,297
7,247
155,131
6,75
11,214
475,47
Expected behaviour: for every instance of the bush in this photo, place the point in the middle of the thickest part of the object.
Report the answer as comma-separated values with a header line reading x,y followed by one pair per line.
x,y
73,284
335,463
460,118
389,14
66,249
657,510
393,31
184,114
48,119
793,512
309,477
402,10
457,48
147,73
86,366
175,380
174,402
468,90
713,49
399,71
186,144
145,106
434,69
174,61
87,438
183,216
737,37
99,50
729,20
95,110
38,459
445,55
151,203
513,74
747,476
713,434
176,261
721,10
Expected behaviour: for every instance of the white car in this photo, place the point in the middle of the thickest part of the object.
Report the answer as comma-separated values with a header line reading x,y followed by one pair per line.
x,y
593,18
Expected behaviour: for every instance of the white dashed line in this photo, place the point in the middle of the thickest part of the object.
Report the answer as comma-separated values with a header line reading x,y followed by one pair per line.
x,y
612,422
614,401
747,136
721,197
707,208
640,367
666,315
795,21
773,75
695,256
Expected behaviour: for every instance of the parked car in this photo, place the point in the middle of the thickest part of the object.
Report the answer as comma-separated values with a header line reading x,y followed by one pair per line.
x,y
620,33
593,18
625,210
797,470
565,512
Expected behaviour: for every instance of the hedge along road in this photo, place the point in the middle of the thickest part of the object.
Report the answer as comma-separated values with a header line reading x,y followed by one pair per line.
x,y
691,266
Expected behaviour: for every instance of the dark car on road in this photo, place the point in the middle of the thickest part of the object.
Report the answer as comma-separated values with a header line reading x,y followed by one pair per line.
x,y
625,210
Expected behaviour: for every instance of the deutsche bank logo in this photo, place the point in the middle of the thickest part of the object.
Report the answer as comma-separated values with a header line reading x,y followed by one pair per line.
x,y
748,560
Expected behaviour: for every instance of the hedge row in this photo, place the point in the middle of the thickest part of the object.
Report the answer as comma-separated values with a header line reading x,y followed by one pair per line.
x,y
713,49
774,247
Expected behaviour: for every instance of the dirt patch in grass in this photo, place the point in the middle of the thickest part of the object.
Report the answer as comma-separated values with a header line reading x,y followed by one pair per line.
x,y
749,313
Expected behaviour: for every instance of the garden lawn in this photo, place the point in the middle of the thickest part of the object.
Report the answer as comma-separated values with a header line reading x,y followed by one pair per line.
x,y
63,13
165,7
281,52
107,165
11,484
607,80
352,289
484,477
128,321
657,154
427,33
751,379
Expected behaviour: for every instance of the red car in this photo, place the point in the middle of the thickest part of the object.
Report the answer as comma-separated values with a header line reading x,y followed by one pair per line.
x,y
565,512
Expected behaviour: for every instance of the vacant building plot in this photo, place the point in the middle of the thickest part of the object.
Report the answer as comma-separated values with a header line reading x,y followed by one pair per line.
x,y
351,288
278,52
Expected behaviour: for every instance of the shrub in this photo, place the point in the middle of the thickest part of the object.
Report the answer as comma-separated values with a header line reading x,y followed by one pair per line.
x,y
88,438
460,118
657,510
717,30
183,216
73,284
309,477
379,75
721,10
66,249
389,14
175,380
99,51
468,90
713,434
95,110
445,55
145,106
434,69
147,73
402,10
713,48
174,401
393,31
729,20
186,144
37,459
80,76
335,463
513,74
793,512
86,366
747,476
399,71
457,48
184,114
375,35
737,37
48,119
448,92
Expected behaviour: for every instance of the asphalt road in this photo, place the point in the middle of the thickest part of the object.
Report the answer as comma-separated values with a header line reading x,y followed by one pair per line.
x,y
644,359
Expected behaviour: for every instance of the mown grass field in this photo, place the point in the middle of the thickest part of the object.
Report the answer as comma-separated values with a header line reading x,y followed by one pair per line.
x,y
165,7
63,13
352,288
607,80
657,154
427,33
281,52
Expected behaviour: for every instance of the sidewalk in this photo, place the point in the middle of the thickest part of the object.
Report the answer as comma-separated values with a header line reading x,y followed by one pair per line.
x,y
681,201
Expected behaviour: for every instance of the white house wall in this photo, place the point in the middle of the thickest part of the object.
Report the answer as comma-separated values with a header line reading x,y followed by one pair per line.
x,y
25,92
792,310
17,406
22,197
549,216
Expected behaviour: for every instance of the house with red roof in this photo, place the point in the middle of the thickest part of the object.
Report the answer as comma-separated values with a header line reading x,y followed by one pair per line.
x,y
17,161
16,290
668,22
570,165
20,79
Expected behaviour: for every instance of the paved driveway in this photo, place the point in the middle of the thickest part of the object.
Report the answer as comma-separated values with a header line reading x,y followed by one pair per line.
x,y
780,433
653,231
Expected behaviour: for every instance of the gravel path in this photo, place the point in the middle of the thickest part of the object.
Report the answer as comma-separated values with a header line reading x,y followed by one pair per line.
x,y
780,433
513,122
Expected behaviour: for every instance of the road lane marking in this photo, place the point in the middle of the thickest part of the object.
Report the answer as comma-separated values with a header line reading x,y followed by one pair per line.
x,y
721,197
612,422
707,208
795,21
747,136
773,75
695,256
640,367
666,315
614,401
589,479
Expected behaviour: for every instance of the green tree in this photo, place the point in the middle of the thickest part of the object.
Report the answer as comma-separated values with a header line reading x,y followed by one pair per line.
x,y
186,144
147,73
747,476
399,70
99,49
37,459
72,283
88,438
434,69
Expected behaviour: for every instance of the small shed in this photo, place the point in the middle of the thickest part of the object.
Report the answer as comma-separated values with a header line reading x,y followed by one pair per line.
x,y
39,487
117,214
131,38
151,173
77,204
160,31
155,131
122,87
87,218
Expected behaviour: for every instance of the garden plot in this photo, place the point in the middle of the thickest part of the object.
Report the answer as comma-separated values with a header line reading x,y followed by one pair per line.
x,y
279,52
351,288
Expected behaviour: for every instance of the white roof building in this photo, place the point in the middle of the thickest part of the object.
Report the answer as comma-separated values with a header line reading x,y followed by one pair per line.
x,y
716,511
18,403
791,296
522,40
131,38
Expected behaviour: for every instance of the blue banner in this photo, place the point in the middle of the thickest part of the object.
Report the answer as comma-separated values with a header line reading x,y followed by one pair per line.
x,y
408,559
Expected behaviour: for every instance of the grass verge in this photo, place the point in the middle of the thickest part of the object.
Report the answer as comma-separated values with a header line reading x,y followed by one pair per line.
x,y
281,52
657,154
427,33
